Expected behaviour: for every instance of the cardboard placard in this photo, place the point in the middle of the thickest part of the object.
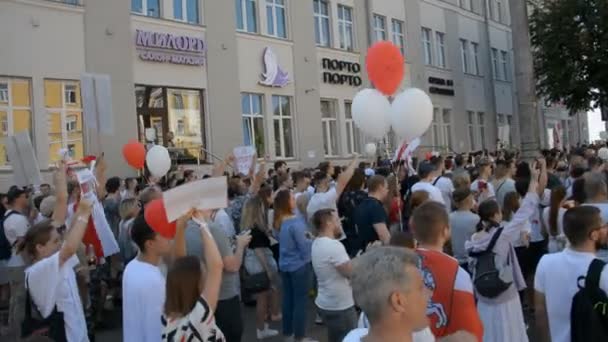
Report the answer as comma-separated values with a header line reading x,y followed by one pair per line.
x,y
210,193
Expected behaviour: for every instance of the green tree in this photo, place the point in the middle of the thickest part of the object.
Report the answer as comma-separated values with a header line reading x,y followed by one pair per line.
x,y
570,47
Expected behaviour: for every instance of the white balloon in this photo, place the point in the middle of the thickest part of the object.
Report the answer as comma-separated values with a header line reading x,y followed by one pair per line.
x,y
411,113
370,149
603,153
158,161
370,110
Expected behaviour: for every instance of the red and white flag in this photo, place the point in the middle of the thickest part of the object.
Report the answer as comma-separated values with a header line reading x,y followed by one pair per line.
x,y
406,150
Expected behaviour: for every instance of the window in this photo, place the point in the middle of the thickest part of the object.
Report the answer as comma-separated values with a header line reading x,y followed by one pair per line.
x,y
436,127
353,140
64,113
510,124
186,10
482,129
70,94
471,126
466,4
499,11
275,18
322,35
150,8
504,60
185,120
345,27
330,127
446,128
398,37
491,9
426,46
282,125
379,28
246,16
3,92
475,52
495,67
464,54
440,41
253,122
71,123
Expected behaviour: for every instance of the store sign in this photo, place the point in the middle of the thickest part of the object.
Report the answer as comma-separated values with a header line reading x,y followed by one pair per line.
x,y
341,72
441,86
169,48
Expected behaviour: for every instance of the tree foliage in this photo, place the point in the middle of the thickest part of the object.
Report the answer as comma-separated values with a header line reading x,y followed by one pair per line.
x,y
570,43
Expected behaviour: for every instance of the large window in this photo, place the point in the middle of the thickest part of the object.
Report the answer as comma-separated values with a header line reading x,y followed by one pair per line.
x,y
149,8
276,18
322,26
329,120
464,54
440,41
253,121
353,137
186,10
504,61
475,60
246,15
15,111
447,128
495,67
379,28
499,11
184,119
436,128
471,127
398,36
482,129
442,130
282,126
345,27
426,46
64,111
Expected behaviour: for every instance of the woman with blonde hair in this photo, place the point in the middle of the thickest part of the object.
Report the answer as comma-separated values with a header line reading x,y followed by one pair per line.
x,y
258,259
294,263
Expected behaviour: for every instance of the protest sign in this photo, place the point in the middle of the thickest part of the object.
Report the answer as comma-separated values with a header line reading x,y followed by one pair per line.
x,y
210,193
23,160
243,158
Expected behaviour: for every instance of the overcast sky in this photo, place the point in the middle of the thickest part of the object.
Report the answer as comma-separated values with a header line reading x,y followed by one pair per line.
x,y
596,125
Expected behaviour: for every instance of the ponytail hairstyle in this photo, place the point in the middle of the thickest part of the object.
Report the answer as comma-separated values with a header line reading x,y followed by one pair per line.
x,y
486,211
558,194
283,208
510,205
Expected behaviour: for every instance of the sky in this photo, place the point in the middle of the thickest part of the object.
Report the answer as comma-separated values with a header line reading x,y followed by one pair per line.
x,y
596,125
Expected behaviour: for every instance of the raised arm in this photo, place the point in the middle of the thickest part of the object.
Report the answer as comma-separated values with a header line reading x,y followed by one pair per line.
x,y
100,175
76,232
219,168
258,178
528,207
345,176
214,264
179,243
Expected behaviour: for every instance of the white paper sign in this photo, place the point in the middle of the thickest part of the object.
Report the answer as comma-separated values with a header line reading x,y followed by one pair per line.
x,y
23,160
243,156
210,193
97,102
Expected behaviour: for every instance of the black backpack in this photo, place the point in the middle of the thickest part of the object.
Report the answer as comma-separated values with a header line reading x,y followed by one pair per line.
x,y
6,250
589,313
487,279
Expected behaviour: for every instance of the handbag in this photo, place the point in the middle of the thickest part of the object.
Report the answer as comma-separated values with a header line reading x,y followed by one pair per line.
x,y
254,276
34,324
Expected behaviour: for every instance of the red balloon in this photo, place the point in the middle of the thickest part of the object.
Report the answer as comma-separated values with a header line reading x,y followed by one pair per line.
x,y
156,216
135,154
385,67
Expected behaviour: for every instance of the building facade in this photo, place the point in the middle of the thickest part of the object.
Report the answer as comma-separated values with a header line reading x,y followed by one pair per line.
x,y
280,75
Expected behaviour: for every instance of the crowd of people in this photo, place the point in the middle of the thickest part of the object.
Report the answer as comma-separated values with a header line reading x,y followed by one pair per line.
x,y
468,247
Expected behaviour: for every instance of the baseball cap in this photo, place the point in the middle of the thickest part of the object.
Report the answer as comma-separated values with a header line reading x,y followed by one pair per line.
x,y
14,193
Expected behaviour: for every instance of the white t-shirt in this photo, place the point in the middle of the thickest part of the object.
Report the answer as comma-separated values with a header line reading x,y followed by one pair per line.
x,y
557,278
322,200
49,285
535,222
334,293
503,187
433,191
489,194
445,185
223,219
143,297
15,227
357,335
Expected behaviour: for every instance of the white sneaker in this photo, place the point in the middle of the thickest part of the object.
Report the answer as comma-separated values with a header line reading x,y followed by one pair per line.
x,y
266,333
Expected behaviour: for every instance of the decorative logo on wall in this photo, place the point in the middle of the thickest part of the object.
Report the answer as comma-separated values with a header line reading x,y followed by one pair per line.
x,y
274,75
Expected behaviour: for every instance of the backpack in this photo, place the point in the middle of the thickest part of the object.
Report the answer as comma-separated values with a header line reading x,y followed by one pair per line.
x,y
6,249
589,312
487,277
